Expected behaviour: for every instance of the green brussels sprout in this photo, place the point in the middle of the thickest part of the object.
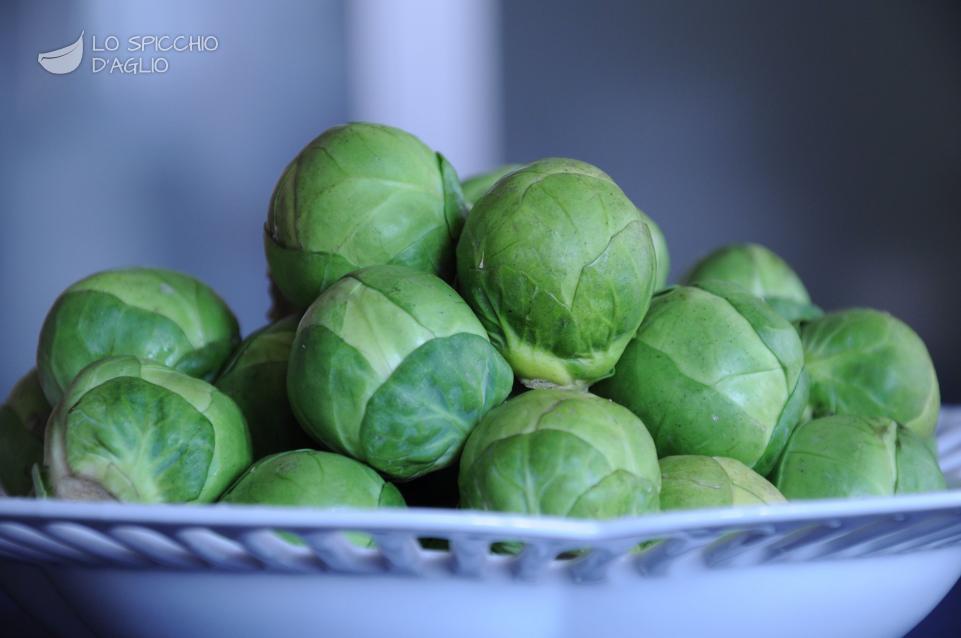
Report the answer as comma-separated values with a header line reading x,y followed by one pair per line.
x,y
312,478
256,379
391,367
868,363
133,430
760,272
37,478
713,370
661,254
149,313
23,419
361,195
692,482
308,478
559,265
855,456
560,453
474,187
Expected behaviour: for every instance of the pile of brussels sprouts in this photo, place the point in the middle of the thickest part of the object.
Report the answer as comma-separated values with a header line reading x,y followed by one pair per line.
x,y
509,341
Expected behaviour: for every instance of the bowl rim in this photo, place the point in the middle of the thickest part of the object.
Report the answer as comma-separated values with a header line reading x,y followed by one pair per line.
x,y
424,521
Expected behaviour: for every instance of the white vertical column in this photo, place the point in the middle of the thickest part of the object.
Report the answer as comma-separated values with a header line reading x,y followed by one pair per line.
x,y
431,67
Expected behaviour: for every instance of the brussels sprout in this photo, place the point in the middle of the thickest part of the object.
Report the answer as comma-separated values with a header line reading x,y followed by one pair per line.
x,y
477,185
134,430
868,363
661,253
691,482
23,419
310,478
760,272
713,370
149,313
361,195
256,379
390,366
37,477
560,453
855,456
560,267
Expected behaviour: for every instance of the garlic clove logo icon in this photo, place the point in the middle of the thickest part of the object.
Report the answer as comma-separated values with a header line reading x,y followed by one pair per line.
x,y
63,60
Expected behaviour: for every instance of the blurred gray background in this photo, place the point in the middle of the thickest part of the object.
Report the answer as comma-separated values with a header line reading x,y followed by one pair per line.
x,y
829,131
